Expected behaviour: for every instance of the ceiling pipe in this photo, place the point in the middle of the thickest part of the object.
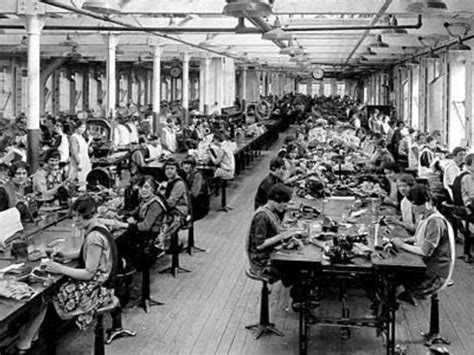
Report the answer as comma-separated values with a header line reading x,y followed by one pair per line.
x,y
138,29
418,25
142,29
442,46
265,27
377,17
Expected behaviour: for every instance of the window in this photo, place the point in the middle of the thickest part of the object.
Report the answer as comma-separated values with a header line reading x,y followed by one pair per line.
x,y
341,87
327,89
415,89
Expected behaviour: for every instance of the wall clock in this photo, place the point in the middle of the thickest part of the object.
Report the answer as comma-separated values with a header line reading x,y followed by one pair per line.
x,y
175,72
317,73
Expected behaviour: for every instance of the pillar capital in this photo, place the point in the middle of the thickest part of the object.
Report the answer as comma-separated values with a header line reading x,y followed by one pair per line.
x,y
111,39
154,41
156,50
185,56
33,24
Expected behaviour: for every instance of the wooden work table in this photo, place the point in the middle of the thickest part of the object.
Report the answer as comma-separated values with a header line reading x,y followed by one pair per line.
x,y
315,267
13,313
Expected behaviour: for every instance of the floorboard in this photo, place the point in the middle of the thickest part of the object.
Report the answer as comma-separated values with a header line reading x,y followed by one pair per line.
x,y
205,312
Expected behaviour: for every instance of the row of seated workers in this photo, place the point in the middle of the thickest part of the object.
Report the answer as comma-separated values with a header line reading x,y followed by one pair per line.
x,y
173,206
156,211
431,188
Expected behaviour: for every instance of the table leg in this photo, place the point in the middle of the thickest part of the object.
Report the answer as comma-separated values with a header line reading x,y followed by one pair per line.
x,y
303,340
392,305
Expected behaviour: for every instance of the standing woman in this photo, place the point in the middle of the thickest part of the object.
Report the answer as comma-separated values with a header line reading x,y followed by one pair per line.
x,y
84,290
61,143
80,161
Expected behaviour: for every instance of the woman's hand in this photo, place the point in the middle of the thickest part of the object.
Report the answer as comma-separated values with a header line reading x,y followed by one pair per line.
x,y
393,220
397,242
58,256
388,201
53,267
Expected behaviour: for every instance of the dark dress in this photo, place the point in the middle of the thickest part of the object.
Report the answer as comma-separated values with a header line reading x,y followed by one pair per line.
x,y
261,197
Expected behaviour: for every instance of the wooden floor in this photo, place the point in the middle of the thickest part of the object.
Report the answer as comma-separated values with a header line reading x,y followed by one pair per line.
x,y
205,311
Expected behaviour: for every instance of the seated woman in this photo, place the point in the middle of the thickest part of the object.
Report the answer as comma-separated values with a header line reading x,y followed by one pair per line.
x,y
84,291
433,240
266,232
48,178
404,183
393,197
381,156
222,156
16,188
301,143
143,225
176,193
138,157
293,166
198,188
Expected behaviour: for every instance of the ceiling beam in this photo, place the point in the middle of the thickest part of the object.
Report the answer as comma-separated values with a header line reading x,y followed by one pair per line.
x,y
377,17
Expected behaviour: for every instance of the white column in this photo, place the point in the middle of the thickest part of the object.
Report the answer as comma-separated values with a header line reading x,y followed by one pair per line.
x,y
185,87
33,28
221,81
156,90
206,83
112,41
243,85
264,83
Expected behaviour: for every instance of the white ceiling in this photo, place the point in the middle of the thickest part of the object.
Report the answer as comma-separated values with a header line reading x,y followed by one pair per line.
x,y
323,48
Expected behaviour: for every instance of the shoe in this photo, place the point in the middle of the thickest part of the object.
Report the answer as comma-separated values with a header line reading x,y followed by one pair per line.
x,y
406,297
22,351
439,350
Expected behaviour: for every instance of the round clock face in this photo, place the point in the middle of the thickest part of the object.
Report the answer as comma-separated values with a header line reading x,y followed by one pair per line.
x,y
317,74
175,72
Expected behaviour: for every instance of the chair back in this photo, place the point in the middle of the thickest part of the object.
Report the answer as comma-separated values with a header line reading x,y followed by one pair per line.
x,y
452,247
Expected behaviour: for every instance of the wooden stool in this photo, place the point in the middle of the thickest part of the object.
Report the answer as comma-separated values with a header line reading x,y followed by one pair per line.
x,y
434,336
191,247
99,348
460,219
146,300
174,269
224,207
117,330
264,326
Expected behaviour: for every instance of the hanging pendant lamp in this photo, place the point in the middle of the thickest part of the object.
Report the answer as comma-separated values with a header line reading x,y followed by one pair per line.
x,y
247,8
102,6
